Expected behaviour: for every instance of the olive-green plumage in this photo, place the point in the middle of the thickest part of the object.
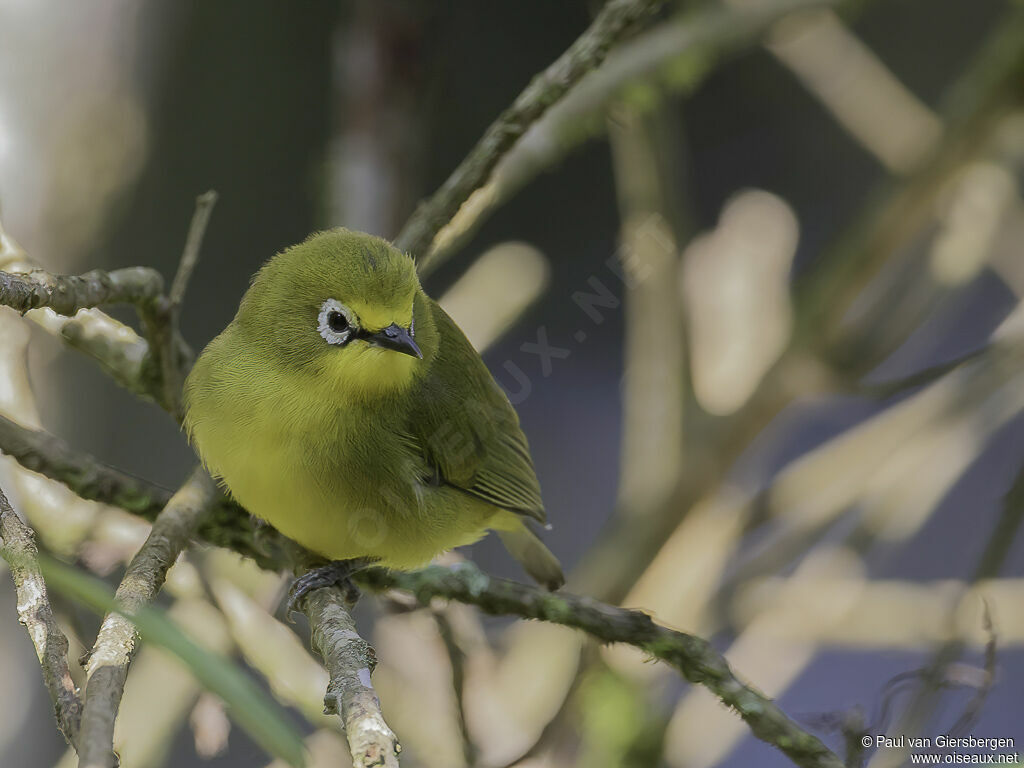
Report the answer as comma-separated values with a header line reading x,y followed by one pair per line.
x,y
346,408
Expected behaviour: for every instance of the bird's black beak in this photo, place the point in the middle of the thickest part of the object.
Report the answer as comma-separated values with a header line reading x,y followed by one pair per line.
x,y
397,338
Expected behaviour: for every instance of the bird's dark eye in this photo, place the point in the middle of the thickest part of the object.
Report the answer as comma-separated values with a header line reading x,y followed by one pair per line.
x,y
337,322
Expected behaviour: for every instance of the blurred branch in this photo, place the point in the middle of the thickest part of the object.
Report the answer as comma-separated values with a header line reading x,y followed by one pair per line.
x,y
193,242
974,106
34,612
692,656
115,646
614,21
457,659
677,52
350,661
821,302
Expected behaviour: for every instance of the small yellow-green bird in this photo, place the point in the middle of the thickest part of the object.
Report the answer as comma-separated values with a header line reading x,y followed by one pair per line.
x,y
345,407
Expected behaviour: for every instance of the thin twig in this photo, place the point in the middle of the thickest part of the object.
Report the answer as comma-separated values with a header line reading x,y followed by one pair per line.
x,y
350,661
457,659
162,322
612,23
34,612
694,657
139,286
933,676
116,643
193,242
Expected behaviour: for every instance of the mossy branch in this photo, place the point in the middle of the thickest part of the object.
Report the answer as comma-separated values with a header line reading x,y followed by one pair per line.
x,y
692,656
613,23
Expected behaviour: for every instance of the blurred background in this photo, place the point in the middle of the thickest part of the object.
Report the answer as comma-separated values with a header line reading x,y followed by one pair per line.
x,y
733,244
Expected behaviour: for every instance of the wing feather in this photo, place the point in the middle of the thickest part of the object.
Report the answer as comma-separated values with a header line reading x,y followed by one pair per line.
x,y
469,431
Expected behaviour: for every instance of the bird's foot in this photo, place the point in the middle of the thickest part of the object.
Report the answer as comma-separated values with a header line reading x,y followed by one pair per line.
x,y
337,573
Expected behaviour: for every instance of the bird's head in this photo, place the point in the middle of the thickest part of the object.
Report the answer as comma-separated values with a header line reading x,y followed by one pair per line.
x,y
344,307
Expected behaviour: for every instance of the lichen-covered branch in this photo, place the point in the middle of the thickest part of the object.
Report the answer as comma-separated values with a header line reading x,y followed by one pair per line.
x,y
694,657
153,367
350,661
614,21
120,351
34,612
66,294
108,662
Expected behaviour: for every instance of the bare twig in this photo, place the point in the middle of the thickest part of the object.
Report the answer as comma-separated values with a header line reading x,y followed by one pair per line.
x,y
34,612
193,242
694,657
934,675
350,661
115,646
457,659
615,20
171,352
987,679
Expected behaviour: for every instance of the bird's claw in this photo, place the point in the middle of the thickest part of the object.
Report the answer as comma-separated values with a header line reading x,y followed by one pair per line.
x,y
337,573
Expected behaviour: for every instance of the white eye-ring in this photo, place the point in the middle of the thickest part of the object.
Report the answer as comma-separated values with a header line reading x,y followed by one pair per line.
x,y
336,322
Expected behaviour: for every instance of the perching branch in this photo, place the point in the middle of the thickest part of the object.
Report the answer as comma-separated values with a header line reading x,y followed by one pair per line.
x,y
34,612
350,661
115,646
694,657
615,20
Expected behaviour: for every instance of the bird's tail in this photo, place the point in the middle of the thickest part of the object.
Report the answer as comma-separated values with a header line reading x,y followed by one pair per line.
x,y
526,547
